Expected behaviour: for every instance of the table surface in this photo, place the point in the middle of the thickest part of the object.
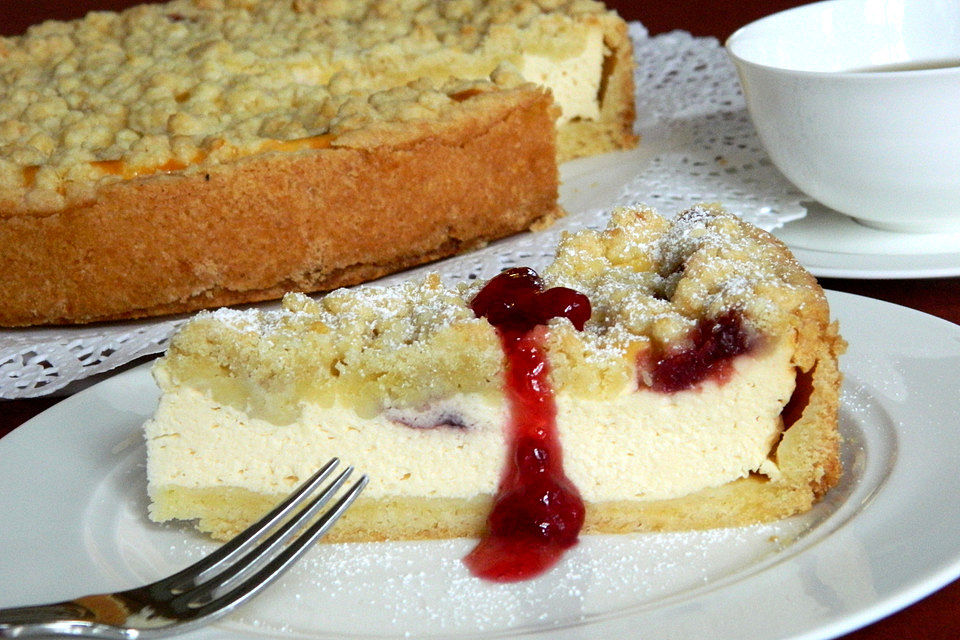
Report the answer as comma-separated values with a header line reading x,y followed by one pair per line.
x,y
937,616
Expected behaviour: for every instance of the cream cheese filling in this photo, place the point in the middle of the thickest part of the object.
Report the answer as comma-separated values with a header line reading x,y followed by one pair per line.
x,y
195,442
574,82
641,445
647,445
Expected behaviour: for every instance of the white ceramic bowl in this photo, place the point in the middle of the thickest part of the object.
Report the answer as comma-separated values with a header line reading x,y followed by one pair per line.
x,y
833,92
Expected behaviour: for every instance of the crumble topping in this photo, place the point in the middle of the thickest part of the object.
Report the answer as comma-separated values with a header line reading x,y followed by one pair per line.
x,y
203,80
648,279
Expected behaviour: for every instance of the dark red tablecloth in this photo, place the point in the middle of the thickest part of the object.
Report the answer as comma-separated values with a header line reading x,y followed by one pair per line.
x,y
937,616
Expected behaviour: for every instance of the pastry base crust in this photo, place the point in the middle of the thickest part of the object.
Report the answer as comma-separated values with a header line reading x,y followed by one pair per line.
x,y
223,513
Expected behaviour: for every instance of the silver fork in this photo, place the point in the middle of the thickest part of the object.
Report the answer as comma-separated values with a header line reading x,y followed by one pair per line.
x,y
204,591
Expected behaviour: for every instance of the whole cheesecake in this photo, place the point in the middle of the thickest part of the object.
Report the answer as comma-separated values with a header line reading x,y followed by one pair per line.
x,y
666,374
153,160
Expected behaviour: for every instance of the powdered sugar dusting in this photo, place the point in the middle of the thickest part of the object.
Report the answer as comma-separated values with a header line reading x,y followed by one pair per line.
x,y
423,590
649,277
422,306
649,280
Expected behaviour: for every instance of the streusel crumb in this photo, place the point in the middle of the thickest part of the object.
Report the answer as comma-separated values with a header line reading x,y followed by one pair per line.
x,y
198,82
649,280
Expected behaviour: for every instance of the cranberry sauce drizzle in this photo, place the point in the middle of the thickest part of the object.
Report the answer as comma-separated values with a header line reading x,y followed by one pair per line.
x,y
714,343
515,301
537,513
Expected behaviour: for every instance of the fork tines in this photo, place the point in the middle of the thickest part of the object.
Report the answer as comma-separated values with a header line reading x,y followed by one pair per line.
x,y
253,559
207,589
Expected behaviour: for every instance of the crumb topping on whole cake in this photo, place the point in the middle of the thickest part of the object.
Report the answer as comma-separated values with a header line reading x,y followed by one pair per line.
x,y
168,86
650,282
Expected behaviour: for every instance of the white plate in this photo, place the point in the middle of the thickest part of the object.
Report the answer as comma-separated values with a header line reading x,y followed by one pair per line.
x,y
832,245
73,522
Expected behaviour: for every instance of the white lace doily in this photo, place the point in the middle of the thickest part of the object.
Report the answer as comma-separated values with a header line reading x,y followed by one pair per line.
x,y
697,145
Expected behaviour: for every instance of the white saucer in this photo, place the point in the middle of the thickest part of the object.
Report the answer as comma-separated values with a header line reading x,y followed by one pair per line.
x,y
833,245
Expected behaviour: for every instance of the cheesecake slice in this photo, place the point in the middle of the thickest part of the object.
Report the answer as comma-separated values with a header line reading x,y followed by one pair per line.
x,y
662,374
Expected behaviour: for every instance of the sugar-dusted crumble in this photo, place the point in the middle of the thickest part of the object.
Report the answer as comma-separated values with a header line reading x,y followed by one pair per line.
x,y
649,280
195,82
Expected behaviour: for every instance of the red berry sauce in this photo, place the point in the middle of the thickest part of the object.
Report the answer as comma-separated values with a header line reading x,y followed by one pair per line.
x,y
714,343
537,513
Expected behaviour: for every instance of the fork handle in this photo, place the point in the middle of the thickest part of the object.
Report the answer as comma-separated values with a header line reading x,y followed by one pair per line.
x,y
44,613
78,618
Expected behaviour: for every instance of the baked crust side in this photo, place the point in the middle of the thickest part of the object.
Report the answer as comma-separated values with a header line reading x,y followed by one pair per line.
x,y
307,221
614,129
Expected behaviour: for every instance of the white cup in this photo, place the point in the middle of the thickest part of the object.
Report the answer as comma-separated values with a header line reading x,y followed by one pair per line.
x,y
857,102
